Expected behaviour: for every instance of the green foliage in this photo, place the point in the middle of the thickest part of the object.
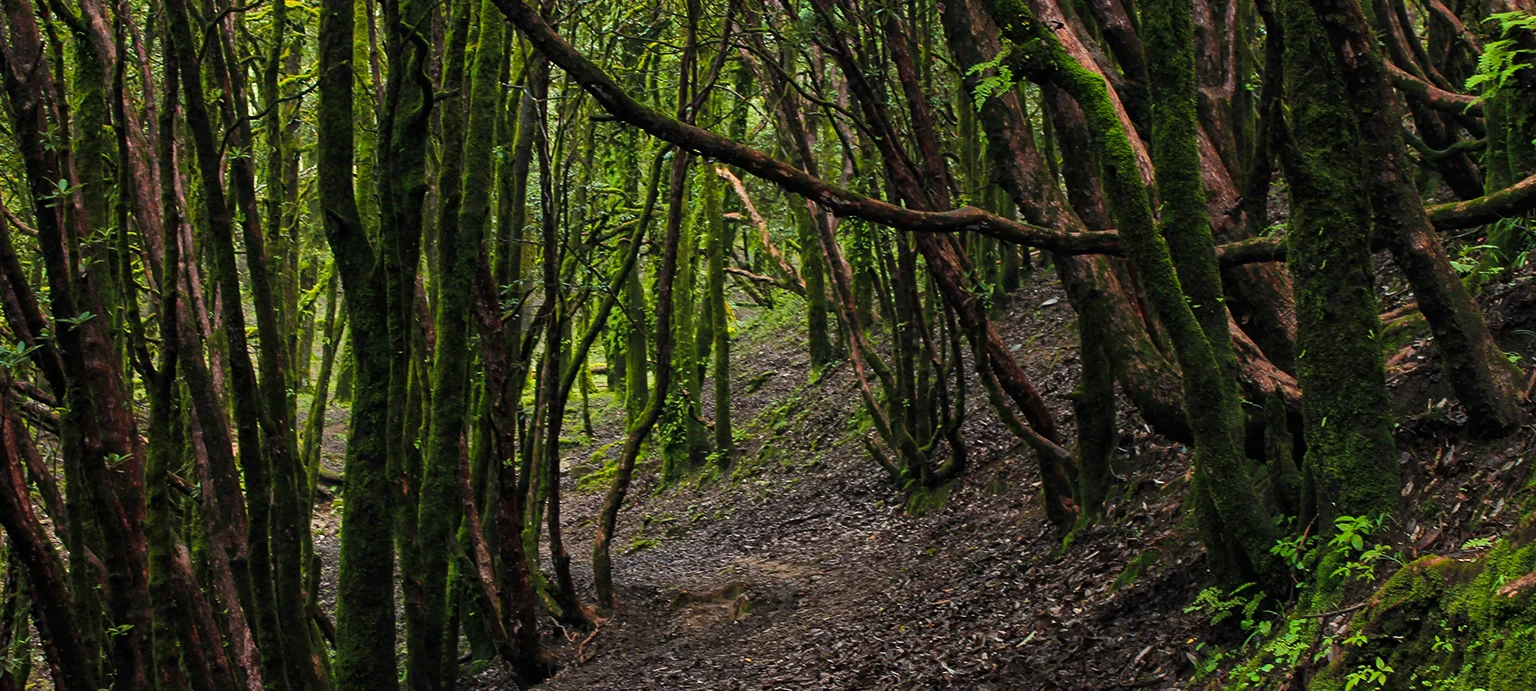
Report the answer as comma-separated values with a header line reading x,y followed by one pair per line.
x,y
1503,58
641,543
1374,676
14,355
1352,531
1357,558
77,320
1477,543
1135,568
62,190
996,78
1466,260
711,472
1220,605
1294,551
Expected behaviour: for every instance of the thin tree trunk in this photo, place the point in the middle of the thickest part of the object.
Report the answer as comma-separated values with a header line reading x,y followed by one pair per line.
x,y
365,653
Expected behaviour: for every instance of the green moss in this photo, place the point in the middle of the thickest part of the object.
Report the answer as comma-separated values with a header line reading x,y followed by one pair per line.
x,y
1135,568
710,473
1233,520
641,543
1348,426
1398,333
1446,624
926,500
757,380
600,478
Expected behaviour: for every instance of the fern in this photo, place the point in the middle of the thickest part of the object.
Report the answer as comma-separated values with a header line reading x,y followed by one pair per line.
x,y
994,84
1501,59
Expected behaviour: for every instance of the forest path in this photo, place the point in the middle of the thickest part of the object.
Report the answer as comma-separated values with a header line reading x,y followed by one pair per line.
x,y
804,569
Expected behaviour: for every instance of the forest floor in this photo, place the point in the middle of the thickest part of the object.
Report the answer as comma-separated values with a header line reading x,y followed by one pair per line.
x,y
801,566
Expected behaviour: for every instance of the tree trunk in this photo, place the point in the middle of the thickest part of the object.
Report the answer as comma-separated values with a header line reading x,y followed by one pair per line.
x,y
1346,411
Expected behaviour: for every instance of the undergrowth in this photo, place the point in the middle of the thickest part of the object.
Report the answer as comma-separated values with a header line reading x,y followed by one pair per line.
x,y
1465,622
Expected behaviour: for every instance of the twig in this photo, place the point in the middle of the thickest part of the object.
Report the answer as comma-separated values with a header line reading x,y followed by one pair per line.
x,y
15,221
1336,612
214,25
224,142
581,657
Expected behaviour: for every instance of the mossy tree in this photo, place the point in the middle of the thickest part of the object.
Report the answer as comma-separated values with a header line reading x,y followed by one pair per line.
x,y
1350,461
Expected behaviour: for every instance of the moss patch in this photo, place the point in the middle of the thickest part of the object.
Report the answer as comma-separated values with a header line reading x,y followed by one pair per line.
x,y
926,500
1136,568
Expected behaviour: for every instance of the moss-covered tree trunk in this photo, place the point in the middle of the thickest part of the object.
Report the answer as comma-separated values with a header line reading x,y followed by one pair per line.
x,y
818,337
715,250
1485,382
82,360
686,446
70,653
458,246
1111,334
244,387
1345,408
1225,481
365,606
1247,532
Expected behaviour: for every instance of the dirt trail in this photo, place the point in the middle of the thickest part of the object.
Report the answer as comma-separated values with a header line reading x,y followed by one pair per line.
x,y
805,570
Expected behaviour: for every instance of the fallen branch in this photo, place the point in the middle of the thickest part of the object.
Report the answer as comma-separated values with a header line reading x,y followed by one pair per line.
x,y
581,657
1334,613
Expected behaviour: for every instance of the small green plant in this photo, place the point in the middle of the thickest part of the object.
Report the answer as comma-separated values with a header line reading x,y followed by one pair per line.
x,y
1373,675
1293,551
1477,543
62,190
1222,605
990,85
1352,531
77,320
1209,660
641,543
14,355
1351,541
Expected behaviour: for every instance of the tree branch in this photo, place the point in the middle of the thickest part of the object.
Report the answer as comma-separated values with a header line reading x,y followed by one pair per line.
x,y
1431,95
1517,199
843,202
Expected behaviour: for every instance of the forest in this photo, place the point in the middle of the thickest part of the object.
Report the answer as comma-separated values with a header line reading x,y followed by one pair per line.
x,y
767,344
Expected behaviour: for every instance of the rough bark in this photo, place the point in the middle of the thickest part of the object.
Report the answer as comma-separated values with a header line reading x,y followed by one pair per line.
x,y
1346,413
365,659
1485,382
